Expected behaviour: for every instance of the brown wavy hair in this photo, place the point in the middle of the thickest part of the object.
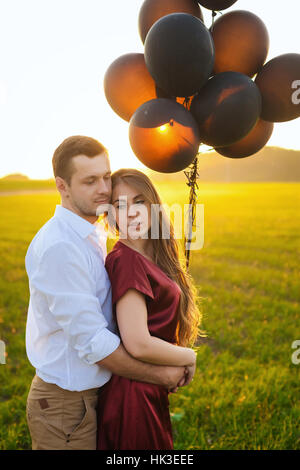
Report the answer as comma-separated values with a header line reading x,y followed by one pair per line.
x,y
62,160
167,255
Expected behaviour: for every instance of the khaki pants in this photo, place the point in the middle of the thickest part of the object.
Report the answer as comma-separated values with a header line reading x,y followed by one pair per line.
x,y
59,419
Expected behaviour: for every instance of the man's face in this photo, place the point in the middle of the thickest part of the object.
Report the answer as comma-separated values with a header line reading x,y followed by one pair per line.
x,y
90,185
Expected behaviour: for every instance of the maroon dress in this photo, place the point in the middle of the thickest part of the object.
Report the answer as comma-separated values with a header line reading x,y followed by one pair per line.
x,y
135,415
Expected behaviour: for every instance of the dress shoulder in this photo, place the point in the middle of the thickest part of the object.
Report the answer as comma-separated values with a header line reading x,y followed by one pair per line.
x,y
126,270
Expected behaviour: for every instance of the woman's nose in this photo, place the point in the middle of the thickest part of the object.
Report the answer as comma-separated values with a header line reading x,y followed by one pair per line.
x,y
132,215
133,211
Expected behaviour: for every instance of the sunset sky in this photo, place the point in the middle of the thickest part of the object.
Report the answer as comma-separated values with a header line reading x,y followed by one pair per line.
x,y
54,55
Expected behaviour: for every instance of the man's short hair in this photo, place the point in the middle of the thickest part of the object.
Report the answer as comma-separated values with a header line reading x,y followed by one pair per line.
x,y
71,147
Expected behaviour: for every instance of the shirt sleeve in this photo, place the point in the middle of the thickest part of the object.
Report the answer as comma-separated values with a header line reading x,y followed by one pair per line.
x,y
127,272
63,278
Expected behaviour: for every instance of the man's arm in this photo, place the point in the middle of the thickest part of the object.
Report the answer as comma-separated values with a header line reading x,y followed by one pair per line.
x,y
121,363
63,278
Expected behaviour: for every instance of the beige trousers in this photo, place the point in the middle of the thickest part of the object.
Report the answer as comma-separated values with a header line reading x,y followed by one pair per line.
x,y
59,419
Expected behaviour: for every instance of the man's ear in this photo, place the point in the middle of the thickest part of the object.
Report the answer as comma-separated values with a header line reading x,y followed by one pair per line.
x,y
62,186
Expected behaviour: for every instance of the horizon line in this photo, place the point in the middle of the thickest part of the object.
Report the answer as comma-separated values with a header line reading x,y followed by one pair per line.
x,y
149,169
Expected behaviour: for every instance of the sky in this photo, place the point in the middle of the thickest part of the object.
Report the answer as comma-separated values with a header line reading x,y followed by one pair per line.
x,y
53,56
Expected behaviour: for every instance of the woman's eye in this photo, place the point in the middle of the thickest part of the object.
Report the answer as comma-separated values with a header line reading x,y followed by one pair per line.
x,y
90,182
140,202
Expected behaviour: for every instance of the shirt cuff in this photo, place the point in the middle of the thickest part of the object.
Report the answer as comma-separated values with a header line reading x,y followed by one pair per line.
x,y
102,345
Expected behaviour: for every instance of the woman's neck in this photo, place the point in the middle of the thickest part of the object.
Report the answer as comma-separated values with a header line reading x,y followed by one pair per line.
x,y
141,245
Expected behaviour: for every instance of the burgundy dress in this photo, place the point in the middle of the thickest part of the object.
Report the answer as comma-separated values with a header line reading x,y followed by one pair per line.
x,y
135,415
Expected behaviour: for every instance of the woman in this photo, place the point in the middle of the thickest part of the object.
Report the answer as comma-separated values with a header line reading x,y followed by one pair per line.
x,y
154,303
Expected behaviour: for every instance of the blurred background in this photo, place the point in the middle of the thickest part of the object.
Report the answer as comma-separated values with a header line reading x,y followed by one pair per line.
x,y
53,59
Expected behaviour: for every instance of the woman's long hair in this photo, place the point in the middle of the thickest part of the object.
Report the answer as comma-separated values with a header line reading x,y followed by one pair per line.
x,y
166,253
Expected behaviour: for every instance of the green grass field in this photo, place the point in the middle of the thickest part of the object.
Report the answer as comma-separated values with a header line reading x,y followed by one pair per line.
x,y
26,185
245,394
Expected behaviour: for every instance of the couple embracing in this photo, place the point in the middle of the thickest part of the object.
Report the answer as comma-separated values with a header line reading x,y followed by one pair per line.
x,y
109,335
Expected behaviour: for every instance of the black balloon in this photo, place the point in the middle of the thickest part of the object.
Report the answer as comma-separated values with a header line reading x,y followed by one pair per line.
x,y
226,108
278,82
216,4
164,135
179,54
153,10
251,144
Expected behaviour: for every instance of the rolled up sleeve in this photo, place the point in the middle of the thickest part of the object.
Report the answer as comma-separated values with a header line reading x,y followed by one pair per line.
x,y
64,280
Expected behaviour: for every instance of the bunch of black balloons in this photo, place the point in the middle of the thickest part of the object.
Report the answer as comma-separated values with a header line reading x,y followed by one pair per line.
x,y
197,85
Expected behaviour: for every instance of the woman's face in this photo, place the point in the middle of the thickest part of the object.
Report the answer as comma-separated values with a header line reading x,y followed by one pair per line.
x,y
132,211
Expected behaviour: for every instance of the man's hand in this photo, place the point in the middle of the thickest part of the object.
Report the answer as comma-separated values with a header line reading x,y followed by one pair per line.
x,y
189,373
173,376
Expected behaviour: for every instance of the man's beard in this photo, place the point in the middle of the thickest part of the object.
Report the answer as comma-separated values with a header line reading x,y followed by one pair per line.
x,y
84,210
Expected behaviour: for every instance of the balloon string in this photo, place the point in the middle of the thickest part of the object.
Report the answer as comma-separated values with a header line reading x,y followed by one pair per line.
x,y
213,15
186,102
192,175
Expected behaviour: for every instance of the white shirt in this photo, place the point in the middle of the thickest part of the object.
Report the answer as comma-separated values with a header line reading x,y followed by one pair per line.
x,y
69,325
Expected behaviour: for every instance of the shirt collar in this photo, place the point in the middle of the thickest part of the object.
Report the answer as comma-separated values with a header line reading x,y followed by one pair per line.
x,y
80,225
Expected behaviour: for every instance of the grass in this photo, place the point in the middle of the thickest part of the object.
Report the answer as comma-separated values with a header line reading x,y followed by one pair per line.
x,y
26,185
245,394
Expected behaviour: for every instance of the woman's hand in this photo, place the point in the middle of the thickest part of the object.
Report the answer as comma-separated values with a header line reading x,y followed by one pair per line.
x,y
189,372
192,358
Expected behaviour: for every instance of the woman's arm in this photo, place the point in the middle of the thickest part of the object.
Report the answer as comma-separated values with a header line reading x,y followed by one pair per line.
x,y
131,312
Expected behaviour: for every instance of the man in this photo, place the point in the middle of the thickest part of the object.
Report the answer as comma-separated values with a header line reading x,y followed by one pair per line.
x,y
70,334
